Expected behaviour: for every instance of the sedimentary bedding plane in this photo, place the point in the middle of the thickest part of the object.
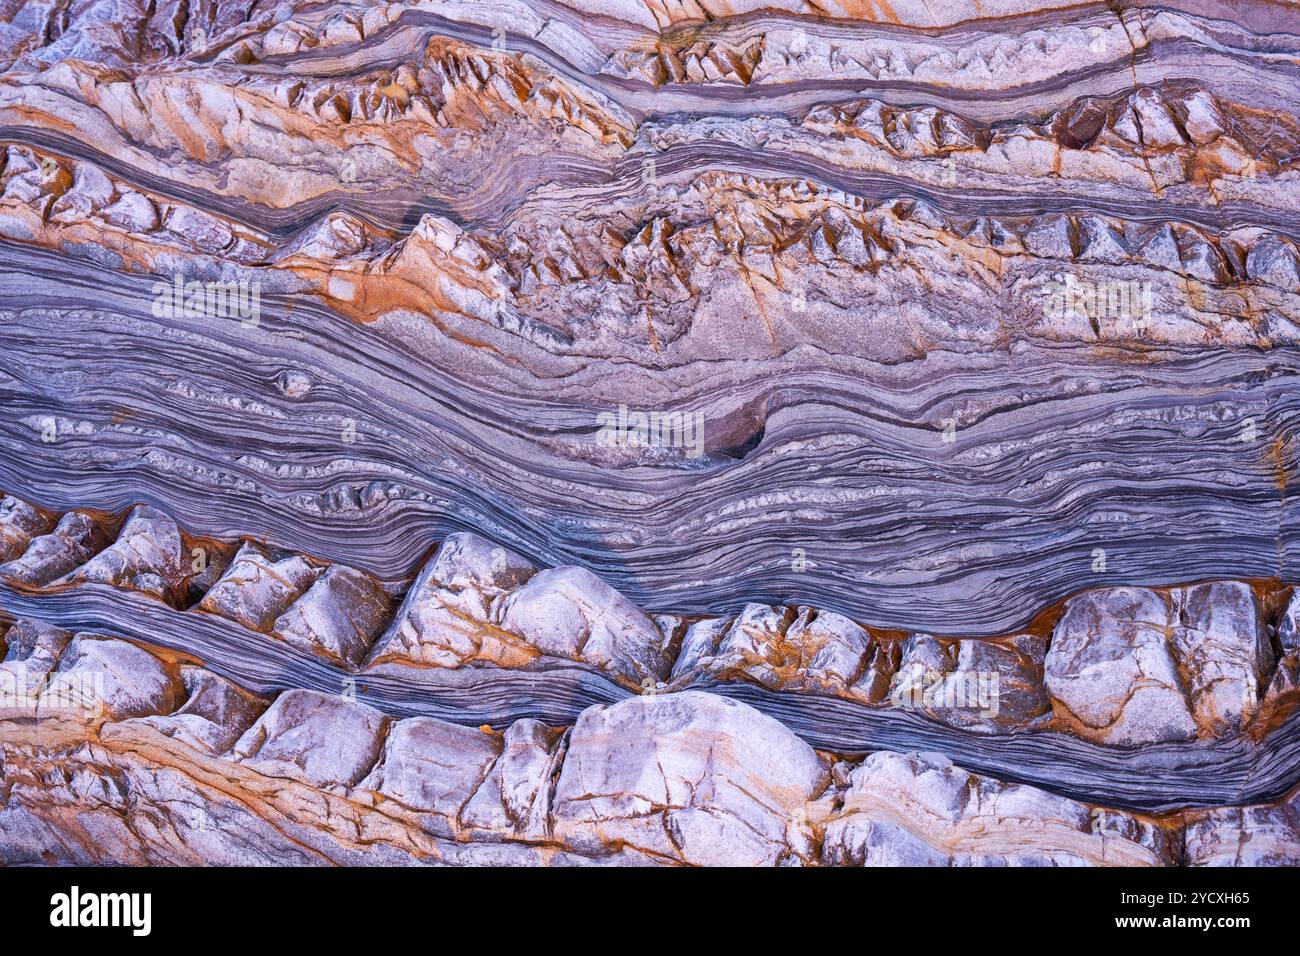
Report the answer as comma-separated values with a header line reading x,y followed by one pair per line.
x,y
429,427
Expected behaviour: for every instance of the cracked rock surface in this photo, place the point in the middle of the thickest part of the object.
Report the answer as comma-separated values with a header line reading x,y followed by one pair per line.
x,y
614,432
185,767
1133,666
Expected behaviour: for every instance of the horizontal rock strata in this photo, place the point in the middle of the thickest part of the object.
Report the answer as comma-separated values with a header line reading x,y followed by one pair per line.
x,y
744,219
598,431
177,765
1150,699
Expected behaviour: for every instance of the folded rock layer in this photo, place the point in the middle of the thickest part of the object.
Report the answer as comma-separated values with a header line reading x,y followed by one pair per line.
x,y
595,431
1148,699
177,765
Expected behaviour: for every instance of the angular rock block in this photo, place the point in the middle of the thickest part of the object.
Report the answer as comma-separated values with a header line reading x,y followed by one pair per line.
x,y
1131,666
920,810
446,618
339,617
982,686
689,777
322,739
215,713
32,653
1246,836
476,603
147,556
432,765
100,675
257,587
896,405
571,613
514,797
19,524
791,649
1285,682
74,540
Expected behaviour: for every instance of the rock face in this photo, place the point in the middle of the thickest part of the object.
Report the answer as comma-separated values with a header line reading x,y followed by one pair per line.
x,y
920,810
779,648
483,636
983,686
389,279
32,652
1284,688
434,766
126,680
475,603
593,431
1223,650
681,778
339,617
215,713
1131,666
690,777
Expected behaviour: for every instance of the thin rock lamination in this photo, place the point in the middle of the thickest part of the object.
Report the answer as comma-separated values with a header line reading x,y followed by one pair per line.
x,y
1146,699
431,428
1029,243
200,771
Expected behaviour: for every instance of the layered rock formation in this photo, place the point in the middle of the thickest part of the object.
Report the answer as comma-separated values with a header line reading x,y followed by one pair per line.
x,y
181,766
565,431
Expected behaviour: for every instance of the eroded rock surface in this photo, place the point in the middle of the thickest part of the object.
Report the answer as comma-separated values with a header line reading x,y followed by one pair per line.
x,y
690,777
1143,666
32,652
340,615
258,587
569,612
1133,666
201,771
19,524
1246,836
147,556
51,556
322,739
446,618
463,255
765,375
920,810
